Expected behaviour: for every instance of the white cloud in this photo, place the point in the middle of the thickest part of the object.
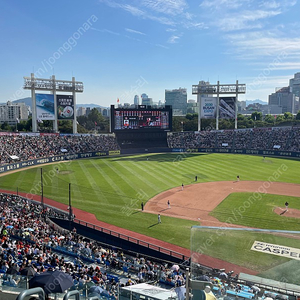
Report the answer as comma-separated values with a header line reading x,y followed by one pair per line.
x,y
244,20
134,31
161,46
217,4
173,39
264,43
269,4
194,25
105,30
162,20
266,52
171,29
188,16
273,4
263,84
169,7
276,64
133,10
167,12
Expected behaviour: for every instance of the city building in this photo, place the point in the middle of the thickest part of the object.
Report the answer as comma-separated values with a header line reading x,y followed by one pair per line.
x,y
105,112
160,103
81,111
136,100
178,100
271,110
88,111
295,85
192,107
12,113
286,99
241,105
146,100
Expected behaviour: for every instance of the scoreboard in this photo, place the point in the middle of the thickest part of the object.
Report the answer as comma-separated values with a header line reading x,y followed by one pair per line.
x,y
142,118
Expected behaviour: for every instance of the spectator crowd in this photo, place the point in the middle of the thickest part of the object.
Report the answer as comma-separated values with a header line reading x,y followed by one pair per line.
x,y
26,147
29,240
285,138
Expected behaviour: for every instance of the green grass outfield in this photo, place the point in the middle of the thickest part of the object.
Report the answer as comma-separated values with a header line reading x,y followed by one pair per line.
x,y
258,215
113,188
235,246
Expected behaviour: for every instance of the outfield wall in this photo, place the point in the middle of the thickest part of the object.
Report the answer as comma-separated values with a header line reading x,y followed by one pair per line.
x,y
240,151
57,158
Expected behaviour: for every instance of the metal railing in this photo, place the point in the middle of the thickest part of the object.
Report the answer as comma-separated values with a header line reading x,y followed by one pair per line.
x,y
133,240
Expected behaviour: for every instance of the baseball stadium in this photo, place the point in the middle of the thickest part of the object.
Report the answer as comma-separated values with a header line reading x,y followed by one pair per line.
x,y
215,212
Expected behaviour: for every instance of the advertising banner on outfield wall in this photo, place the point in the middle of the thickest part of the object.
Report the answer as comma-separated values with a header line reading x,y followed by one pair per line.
x,y
40,161
44,107
65,107
208,107
227,107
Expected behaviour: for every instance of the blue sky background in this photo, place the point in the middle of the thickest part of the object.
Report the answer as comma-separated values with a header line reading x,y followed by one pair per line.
x,y
120,48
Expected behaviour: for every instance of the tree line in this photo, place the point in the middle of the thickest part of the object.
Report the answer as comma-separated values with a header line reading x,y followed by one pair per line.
x,y
256,119
94,122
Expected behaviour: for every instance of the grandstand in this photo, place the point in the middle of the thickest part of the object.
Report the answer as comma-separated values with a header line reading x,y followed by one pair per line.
x,y
30,234
275,139
25,146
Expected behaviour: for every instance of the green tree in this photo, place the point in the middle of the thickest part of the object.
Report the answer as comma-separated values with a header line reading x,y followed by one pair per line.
x,y
269,119
65,126
279,119
241,117
189,116
97,122
256,116
81,129
176,123
288,116
298,115
6,127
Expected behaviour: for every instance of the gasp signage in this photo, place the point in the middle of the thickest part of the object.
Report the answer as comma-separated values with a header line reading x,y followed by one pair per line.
x,y
278,250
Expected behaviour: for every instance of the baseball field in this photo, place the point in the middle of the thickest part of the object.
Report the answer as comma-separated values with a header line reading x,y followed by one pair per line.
x,y
113,189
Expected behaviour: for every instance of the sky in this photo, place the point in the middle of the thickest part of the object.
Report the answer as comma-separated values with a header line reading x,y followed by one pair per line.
x,y
122,48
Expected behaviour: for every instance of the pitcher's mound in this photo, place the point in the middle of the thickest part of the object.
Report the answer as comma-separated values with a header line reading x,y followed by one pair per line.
x,y
291,212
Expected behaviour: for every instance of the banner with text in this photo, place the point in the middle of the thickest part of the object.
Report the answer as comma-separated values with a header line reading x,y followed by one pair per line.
x,y
65,107
208,107
44,107
227,107
278,250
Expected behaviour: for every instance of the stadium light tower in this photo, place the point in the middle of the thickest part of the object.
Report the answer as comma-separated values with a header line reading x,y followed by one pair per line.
x,y
203,89
60,107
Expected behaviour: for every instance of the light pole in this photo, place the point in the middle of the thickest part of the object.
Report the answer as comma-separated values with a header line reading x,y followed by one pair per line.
x,y
182,126
70,205
42,189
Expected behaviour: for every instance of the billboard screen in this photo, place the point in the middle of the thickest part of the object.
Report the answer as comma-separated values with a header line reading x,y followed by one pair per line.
x,y
208,107
65,107
44,107
141,119
227,107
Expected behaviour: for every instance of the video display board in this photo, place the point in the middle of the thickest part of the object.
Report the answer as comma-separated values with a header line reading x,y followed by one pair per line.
x,y
65,107
141,118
